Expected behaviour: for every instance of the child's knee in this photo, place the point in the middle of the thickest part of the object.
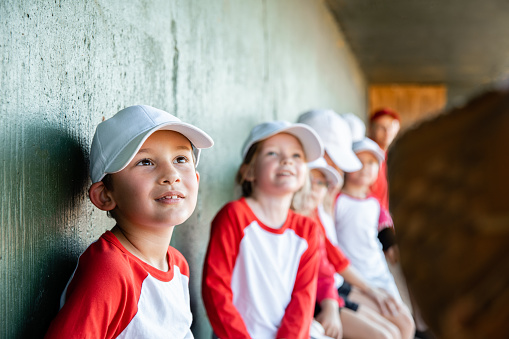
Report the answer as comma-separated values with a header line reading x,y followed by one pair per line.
x,y
393,331
388,333
407,325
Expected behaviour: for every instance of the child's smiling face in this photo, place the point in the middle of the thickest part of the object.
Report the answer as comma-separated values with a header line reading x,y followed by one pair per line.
x,y
280,166
159,187
367,175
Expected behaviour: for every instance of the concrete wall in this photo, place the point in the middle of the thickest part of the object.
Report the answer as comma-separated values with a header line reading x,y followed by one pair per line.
x,y
67,65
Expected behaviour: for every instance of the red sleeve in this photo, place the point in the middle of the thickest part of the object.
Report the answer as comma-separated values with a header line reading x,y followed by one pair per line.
x,y
380,188
299,312
334,255
326,288
100,298
178,259
223,248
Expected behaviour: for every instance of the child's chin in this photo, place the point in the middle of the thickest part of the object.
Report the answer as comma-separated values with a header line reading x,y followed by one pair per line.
x,y
181,220
290,190
178,218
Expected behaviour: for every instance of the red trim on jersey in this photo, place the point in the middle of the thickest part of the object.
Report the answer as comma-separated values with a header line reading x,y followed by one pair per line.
x,y
380,188
326,288
227,232
102,296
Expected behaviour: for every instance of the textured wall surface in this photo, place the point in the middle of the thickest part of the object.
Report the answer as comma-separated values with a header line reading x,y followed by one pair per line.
x,y
66,65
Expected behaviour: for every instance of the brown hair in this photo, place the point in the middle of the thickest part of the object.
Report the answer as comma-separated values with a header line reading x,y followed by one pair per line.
x,y
245,167
301,198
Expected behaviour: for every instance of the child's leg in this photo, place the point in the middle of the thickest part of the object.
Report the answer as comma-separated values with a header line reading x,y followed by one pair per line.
x,y
380,320
357,325
403,320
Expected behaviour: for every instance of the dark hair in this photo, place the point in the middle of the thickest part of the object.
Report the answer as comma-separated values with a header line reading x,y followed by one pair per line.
x,y
247,163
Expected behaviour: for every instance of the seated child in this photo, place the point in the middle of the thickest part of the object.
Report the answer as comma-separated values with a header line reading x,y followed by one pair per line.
x,y
130,283
354,320
337,138
260,271
358,220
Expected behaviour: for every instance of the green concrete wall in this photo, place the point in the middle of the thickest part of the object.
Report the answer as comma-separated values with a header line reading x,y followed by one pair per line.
x,y
67,65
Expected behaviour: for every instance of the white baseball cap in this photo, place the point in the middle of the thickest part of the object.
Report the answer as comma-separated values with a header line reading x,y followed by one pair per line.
x,y
331,175
357,126
118,139
369,145
310,141
336,136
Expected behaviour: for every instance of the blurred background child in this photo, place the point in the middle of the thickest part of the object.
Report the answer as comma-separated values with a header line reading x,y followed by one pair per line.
x,y
384,125
336,136
358,218
352,320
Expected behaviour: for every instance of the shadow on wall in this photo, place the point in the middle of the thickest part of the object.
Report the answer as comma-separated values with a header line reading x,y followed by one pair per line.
x,y
54,179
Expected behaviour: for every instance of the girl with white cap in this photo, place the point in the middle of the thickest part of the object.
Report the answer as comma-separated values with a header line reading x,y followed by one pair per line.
x,y
260,272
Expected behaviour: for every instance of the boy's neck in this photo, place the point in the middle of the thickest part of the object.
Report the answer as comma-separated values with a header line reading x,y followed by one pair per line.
x,y
356,191
271,210
150,247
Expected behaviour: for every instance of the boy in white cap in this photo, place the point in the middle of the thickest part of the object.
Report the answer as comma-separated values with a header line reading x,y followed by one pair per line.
x,y
359,218
260,271
130,283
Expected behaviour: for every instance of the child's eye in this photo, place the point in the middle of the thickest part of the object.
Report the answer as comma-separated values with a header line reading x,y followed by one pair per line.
x,y
297,155
144,162
180,160
271,153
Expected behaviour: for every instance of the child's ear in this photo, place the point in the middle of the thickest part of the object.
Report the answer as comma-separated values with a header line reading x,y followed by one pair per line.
x,y
100,197
247,172
197,176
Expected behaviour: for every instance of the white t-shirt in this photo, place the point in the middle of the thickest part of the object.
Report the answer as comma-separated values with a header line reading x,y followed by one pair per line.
x,y
357,235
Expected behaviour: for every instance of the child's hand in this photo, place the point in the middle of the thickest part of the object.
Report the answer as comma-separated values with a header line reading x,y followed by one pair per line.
x,y
329,318
388,305
392,254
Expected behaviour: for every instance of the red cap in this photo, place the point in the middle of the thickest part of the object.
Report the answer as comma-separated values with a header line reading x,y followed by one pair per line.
x,y
384,111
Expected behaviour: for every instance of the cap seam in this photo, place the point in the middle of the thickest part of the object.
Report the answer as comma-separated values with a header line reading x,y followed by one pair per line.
x,y
146,113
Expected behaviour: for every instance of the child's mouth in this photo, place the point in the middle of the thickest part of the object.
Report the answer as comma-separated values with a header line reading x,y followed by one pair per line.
x,y
170,197
284,174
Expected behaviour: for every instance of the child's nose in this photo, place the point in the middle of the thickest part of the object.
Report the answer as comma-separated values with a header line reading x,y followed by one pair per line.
x,y
287,159
169,174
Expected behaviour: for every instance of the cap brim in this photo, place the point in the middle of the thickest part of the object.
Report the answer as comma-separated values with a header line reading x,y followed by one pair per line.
x,y
346,160
311,143
198,138
380,156
331,175
368,145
